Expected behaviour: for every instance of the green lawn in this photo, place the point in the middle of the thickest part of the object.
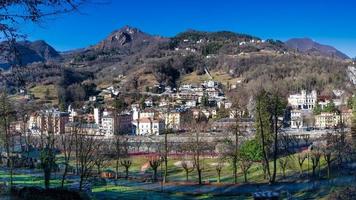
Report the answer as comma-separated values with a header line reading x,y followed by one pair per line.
x,y
176,173
123,192
39,92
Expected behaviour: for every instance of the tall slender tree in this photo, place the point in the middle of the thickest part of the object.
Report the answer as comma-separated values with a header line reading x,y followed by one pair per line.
x,y
7,115
269,110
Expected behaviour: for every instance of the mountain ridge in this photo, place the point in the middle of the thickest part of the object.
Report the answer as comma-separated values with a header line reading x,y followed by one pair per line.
x,y
128,40
28,52
309,46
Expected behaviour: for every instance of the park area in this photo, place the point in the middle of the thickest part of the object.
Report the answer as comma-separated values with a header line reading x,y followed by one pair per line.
x,y
140,183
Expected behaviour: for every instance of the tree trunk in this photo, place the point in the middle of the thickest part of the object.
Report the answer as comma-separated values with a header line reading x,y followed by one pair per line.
x,y
117,169
99,169
64,174
155,174
126,172
236,150
235,170
219,176
200,177
81,183
263,143
47,178
275,150
301,168
165,157
245,176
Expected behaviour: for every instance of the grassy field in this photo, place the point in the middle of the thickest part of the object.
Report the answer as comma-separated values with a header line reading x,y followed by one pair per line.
x,y
39,91
219,76
123,192
176,174
255,175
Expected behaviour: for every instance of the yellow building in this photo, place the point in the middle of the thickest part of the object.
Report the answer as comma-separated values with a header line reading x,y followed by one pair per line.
x,y
327,120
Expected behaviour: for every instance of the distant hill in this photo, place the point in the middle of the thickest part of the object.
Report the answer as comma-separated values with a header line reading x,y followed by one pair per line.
x,y
29,52
127,38
134,60
309,46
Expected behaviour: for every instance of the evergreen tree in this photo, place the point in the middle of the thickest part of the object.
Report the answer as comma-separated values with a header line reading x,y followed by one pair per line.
x,y
353,124
269,108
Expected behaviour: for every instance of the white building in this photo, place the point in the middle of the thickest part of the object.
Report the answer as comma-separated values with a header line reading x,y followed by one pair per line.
x,y
114,124
147,113
97,116
303,101
210,84
108,125
296,119
191,103
148,126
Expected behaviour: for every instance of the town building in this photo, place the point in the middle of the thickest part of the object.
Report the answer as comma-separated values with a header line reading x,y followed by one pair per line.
x,y
191,103
148,126
53,121
112,124
35,122
97,116
346,116
303,101
83,128
296,119
327,120
176,119
124,123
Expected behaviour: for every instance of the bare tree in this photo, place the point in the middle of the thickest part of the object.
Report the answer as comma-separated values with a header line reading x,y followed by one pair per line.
x,y
328,150
138,143
101,157
219,166
245,165
154,164
283,162
188,167
301,157
118,151
237,132
67,147
198,147
88,146
165,154
48,157
315,159
127,164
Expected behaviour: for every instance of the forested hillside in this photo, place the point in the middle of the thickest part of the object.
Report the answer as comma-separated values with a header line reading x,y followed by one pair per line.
x,y
134,60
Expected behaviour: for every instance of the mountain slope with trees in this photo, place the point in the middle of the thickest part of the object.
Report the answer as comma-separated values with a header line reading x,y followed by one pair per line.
x,y
27,52
134,60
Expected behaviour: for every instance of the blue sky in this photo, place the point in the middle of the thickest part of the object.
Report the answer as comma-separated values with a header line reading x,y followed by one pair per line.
x,y
326,21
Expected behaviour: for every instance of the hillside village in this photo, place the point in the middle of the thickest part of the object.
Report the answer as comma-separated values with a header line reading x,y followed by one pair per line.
x,y
173,108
